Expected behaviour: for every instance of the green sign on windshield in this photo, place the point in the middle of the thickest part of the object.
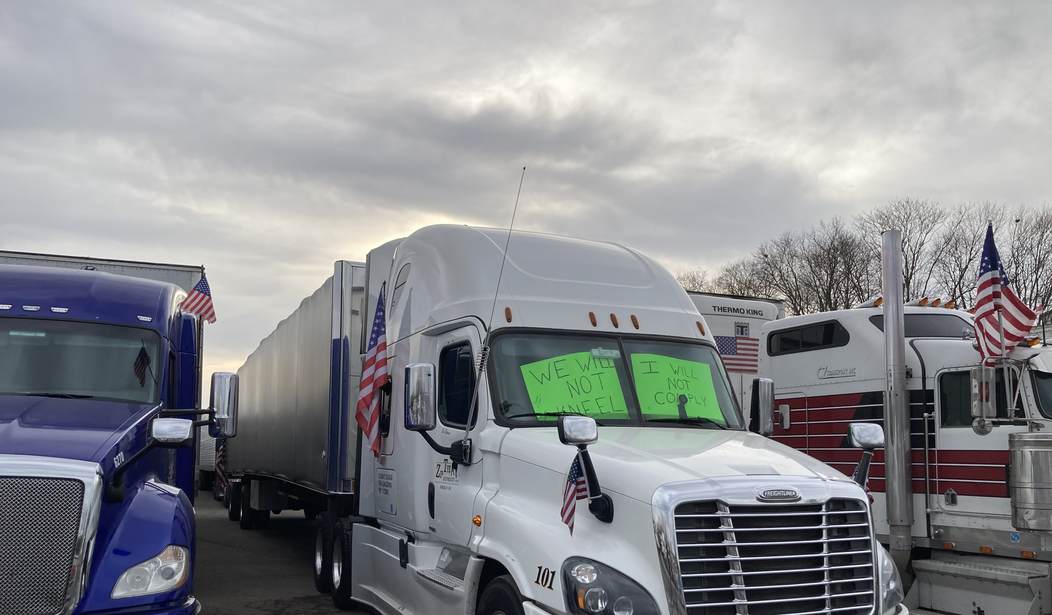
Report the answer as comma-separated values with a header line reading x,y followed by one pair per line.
x,y
576,382
664,383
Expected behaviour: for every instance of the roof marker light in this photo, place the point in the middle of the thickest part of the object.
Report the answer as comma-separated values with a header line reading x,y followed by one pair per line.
x,y
873,301
936,302
31,308
701,328
145,318
60,310
613,319
950,304
507,314
591,317
635,321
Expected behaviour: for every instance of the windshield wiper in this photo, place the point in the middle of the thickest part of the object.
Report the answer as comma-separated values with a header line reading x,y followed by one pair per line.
x,y
523,415
699,421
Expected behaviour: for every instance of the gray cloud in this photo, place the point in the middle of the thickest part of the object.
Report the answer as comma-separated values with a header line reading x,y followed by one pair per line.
x,y
267,141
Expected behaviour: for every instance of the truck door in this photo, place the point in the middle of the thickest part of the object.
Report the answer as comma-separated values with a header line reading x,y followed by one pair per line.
x,y
967,470
451,488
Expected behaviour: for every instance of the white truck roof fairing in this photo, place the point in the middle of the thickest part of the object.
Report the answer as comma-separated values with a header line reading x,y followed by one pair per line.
x,y
444,273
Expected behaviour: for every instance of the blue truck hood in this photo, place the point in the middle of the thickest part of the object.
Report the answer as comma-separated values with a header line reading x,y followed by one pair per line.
x,y
83,429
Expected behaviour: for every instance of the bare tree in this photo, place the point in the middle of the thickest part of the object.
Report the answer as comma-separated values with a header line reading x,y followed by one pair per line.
x,y
1027,261
743,277
961,237
695,279
920,221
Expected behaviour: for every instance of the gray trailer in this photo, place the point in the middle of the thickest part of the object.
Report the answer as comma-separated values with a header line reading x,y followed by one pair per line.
x,y
297,436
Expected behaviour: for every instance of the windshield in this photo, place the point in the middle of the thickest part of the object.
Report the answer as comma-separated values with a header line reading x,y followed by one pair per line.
x,y
1043,392
616,380
80,360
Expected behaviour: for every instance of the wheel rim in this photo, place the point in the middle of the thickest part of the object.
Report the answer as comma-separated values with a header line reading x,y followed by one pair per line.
x,y
319,552
337,561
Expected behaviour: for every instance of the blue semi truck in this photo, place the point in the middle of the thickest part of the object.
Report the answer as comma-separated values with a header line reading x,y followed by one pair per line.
x,y
99,420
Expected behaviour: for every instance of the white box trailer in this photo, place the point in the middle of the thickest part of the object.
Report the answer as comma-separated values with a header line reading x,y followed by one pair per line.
x,y
735,322
595,359
183,276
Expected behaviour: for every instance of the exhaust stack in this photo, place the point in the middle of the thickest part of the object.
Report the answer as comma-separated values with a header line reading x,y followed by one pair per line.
x,y
898,453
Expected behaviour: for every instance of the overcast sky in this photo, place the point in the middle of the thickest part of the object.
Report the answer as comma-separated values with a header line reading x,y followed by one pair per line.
x,y
266,141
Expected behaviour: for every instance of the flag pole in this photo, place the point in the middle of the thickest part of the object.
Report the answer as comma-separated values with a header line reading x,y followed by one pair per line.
x,y
1009,394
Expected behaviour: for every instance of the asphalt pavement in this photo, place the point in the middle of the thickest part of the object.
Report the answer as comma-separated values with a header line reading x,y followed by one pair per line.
x,y
257,572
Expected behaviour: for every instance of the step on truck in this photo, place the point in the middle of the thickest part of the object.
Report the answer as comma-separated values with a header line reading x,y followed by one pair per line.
x,y
594,358
99,394
975,506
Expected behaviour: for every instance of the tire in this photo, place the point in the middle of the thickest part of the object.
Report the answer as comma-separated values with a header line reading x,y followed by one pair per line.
x,y
262,519
500,597
342,584
322,569
248,516
233,502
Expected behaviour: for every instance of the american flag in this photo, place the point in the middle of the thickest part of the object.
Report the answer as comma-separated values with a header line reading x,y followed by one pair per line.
x,y
740,353
199,301
576,489
374,376
994,297
142,363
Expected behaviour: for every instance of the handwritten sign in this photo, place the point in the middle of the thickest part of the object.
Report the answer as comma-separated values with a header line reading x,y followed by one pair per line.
x,y
576,382
663,384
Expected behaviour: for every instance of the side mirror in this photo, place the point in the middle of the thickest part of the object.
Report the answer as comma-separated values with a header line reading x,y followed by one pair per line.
x,y
420,397
172,432
761,419
578,430
866,436
223,401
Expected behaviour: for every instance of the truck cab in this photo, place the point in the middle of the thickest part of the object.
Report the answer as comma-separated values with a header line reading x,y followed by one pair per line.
x,y
514,360
981,494
99,388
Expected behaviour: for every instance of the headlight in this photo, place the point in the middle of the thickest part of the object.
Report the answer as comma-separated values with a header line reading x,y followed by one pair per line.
x,y
890,582
163,573
594,589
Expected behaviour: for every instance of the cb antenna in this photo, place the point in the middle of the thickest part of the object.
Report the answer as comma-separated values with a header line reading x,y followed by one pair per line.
x,y
484,351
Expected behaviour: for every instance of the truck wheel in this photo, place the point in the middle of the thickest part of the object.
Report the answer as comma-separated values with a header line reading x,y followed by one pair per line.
x,y
248,516
341,566
323,555
262,520
500,598
233,509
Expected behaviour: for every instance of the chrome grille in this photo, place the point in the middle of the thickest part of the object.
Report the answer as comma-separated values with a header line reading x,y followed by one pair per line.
x,y
775,559
39,525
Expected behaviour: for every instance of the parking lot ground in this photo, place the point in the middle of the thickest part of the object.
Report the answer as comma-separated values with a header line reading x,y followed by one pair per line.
x,y
241,572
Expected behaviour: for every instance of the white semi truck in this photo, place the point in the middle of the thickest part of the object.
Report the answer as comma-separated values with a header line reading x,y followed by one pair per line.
x,y
976,507
593,350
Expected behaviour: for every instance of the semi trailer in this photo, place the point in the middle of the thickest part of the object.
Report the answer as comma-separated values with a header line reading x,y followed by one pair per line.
x,y
99,390
558,435
975,503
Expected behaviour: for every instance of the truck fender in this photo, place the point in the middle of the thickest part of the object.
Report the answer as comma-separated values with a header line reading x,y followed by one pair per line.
x,y
157,515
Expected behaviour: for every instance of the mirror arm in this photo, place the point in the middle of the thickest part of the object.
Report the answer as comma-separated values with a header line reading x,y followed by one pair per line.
x,y
177,413
460,451
115,488
861,474
600,503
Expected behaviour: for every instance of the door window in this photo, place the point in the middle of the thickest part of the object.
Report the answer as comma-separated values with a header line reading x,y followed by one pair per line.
x,y
456,384
955,396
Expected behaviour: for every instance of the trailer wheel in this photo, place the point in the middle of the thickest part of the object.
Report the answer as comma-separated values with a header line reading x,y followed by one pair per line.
x,y
323,555
248,517
500,598
341,566
233,496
